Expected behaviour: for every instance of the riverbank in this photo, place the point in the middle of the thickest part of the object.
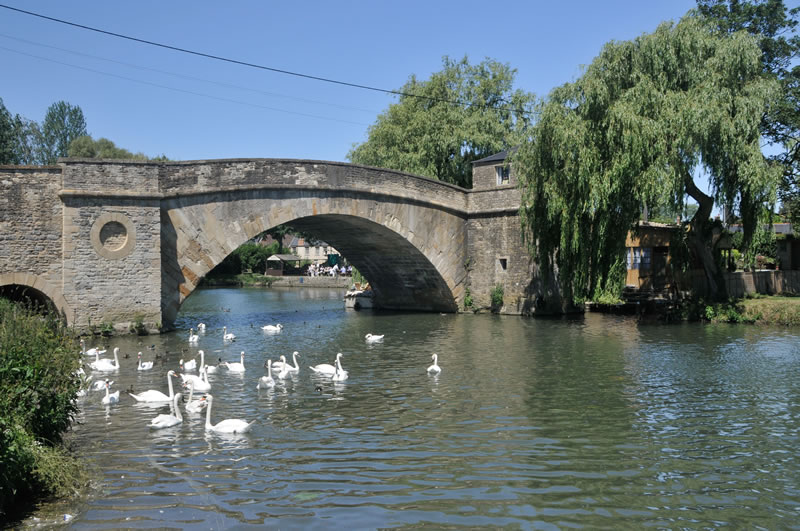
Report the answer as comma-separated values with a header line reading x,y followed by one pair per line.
x,y
780,310
253,280
761,309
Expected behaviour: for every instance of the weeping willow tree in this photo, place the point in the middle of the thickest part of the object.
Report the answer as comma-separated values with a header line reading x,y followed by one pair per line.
x,y
645,117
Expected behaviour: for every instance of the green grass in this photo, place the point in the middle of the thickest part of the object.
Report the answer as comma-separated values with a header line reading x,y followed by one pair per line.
x,y
778,310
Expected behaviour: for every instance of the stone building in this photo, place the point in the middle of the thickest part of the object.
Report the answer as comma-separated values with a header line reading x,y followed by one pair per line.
x,y
498,258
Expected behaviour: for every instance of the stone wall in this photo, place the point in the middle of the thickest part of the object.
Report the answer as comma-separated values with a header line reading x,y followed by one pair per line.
x,y
497,256
30,230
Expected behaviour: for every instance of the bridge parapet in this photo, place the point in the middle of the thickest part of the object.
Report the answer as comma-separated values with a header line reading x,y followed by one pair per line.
x,y
187,178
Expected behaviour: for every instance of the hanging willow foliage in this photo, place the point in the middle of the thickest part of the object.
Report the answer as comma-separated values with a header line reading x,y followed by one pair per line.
x,y
633,130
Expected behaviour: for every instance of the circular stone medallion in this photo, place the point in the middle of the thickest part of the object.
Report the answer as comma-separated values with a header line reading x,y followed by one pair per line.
x,y
113,236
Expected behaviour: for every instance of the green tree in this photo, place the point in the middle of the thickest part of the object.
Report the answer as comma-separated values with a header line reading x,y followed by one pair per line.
x,y
28,138
62,124
633,130
102,148
440,126
7,136
776,29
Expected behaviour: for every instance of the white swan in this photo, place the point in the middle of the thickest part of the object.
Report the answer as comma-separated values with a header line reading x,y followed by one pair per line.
x,y
279,365
373,338
99,385
156,396
272,329
195,406
144,365
105,364
227,425
236,366
110,398
326,369
189,365
434,369
201,327
265,382
340,375
284,371
201,382
166,421
91,351
227,336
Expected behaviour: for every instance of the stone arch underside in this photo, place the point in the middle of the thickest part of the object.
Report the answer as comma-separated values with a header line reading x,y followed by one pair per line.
x,y
410,251
40,286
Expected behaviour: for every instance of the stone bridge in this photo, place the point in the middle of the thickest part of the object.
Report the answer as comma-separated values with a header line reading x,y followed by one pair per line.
x,y
121,241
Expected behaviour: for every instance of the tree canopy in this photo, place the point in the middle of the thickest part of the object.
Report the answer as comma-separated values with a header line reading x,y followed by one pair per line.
x,y
633,131
440,126
775,27
7,154
103,148
62,124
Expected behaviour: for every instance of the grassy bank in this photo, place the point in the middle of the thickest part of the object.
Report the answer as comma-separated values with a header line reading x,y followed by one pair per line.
x,y
38,357
760,309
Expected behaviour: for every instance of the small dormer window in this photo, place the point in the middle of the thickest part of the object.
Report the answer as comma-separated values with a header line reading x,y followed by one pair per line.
x,y
502,175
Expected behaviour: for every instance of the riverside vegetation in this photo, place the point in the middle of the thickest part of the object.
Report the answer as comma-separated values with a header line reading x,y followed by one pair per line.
x,y
38,386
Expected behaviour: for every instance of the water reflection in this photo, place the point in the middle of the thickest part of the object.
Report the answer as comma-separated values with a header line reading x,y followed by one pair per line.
x,y
586,422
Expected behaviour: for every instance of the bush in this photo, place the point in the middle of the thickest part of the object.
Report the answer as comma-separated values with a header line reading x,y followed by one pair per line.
x,y
497,297
467,299
38,385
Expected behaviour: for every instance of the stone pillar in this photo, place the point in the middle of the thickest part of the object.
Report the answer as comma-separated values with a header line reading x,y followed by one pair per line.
x,y
112,245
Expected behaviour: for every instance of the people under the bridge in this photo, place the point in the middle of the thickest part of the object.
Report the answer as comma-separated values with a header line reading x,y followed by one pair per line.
x,y
315,270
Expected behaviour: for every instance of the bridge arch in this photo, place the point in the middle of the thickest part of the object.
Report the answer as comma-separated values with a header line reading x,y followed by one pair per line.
x,y
410,251
42,291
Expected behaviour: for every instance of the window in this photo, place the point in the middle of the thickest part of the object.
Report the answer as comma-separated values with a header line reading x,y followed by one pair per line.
x,y
502,175
504,263
633,258
646,258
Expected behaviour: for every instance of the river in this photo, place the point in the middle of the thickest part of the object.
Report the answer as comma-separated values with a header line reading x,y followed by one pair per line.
x,y
596,422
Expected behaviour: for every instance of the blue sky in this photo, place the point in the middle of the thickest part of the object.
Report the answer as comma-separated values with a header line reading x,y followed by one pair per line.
x,y
157,101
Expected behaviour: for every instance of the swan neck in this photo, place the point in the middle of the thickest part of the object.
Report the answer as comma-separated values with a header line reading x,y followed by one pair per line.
x,y
208,411
169,381
177,409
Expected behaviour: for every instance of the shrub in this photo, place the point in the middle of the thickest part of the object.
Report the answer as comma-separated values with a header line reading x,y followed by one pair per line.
x,y
497,297
38,385
467,299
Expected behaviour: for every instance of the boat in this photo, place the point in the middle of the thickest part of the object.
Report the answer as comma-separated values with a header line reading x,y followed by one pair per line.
x,y
358,299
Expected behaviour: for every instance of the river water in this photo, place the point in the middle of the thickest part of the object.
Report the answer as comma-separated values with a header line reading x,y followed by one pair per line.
x,y
595,422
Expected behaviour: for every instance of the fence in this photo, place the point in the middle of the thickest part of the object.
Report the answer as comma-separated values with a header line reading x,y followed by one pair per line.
x,y
740,284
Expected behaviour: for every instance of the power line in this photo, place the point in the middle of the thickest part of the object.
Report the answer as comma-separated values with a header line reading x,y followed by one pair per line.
x,y
182,76
229,100
238,62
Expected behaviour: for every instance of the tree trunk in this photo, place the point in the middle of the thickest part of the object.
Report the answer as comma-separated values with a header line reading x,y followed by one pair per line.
x,y
699,238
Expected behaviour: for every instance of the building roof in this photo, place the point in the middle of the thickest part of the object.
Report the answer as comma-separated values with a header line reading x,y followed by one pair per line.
x,y
497,157
284,258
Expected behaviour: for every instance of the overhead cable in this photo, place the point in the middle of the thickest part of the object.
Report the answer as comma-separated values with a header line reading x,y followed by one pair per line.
x,y
183,76
238,62
184,91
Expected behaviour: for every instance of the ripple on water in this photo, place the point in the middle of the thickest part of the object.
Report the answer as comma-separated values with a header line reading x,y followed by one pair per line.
x,y
595,422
